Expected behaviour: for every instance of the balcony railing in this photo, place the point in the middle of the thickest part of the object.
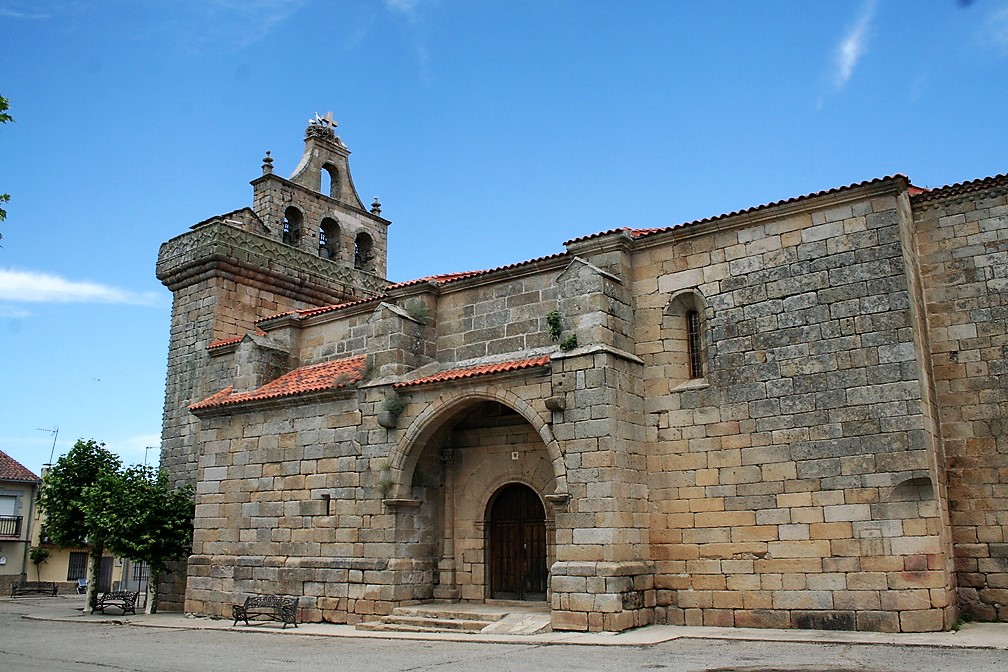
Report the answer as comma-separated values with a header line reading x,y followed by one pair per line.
x,y
10,527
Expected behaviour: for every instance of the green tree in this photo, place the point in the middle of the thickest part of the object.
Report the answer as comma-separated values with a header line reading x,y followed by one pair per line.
x,y
139,516
38,555
63,499
4,118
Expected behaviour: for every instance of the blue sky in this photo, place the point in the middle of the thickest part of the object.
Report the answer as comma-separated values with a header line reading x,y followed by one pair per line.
x,y
491,131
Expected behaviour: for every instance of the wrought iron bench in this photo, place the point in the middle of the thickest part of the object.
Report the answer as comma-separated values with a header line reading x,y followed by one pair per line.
x,y
121,599
273,607
33,588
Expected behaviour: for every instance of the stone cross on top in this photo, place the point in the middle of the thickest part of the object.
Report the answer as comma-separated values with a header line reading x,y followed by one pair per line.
x,y
327,120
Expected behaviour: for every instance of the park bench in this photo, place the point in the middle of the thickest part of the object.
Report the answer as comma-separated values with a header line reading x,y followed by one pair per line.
x,y
33,588
272,607
121,599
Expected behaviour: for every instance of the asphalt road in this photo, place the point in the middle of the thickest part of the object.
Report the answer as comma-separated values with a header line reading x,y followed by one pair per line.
x,y
57,646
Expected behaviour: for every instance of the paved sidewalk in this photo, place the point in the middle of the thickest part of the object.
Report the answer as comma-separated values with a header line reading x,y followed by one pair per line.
x,y
971,635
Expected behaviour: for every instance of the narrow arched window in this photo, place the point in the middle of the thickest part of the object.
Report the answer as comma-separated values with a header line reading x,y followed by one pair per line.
x,y
329,183
329,239
694,344
363,253
685,335
292,226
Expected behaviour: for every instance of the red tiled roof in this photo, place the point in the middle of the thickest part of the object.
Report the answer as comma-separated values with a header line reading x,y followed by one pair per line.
x,y
12,470
960,188
309,312
640,233
473,371
229,341
440,279
224,341
330,375
437,279
446,278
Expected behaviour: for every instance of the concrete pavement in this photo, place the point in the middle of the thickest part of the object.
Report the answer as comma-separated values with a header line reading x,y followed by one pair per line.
x,y
971,635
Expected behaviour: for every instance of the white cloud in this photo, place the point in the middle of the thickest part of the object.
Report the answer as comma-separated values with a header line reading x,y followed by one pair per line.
x,y
13,313
237,23
34,287
404,6
24,11
854,45
995,30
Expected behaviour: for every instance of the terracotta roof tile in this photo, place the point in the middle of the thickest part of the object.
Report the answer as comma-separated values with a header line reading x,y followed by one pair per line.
x,y
12,470
309,312
473,371
230,341
224,341
960,188
328,376
440,279
640,233
446,278
437,279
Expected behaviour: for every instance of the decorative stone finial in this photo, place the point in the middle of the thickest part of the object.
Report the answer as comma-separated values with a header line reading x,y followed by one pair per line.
x,y
267,163
375,206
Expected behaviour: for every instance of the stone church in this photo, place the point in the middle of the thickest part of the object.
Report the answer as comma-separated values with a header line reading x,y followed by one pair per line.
x,y
786,416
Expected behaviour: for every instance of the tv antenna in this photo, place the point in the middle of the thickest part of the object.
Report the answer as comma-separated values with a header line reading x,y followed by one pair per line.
x,y
55,432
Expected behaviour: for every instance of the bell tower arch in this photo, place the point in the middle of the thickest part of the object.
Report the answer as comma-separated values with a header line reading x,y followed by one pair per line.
x,y
333,218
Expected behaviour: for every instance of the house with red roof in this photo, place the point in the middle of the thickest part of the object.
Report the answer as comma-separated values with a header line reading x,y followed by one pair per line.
x,y
18,487
785,416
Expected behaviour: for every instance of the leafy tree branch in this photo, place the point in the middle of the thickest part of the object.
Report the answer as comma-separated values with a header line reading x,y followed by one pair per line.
x,y
4,118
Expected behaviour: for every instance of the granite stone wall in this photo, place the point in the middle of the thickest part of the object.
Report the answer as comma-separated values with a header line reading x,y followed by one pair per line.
x,y
795,484
963,244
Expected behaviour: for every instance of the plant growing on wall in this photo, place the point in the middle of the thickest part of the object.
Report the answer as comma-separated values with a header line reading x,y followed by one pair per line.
x,y
556,331
418,310
391,409
384,482
569,343
553,320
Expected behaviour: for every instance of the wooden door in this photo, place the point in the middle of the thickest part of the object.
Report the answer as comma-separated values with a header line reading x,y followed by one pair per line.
x,y
517,543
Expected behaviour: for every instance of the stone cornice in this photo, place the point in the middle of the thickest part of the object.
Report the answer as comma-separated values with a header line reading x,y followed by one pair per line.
x,y
272,403
892,186
218,249
494,276
613,241
316,194
595,348
963,191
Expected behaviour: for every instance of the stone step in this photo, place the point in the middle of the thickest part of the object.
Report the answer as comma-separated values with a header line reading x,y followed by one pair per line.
x,y
436,622
455,612
434,618
388,624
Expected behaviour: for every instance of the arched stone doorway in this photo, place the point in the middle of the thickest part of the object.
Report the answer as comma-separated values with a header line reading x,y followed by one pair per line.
x,y
516,544
455,462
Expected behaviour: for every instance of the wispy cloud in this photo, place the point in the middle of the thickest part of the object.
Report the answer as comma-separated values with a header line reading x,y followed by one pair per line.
x,y
34,287
995,30
402,5
13,312
853,45
410,10
238,24
24,11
